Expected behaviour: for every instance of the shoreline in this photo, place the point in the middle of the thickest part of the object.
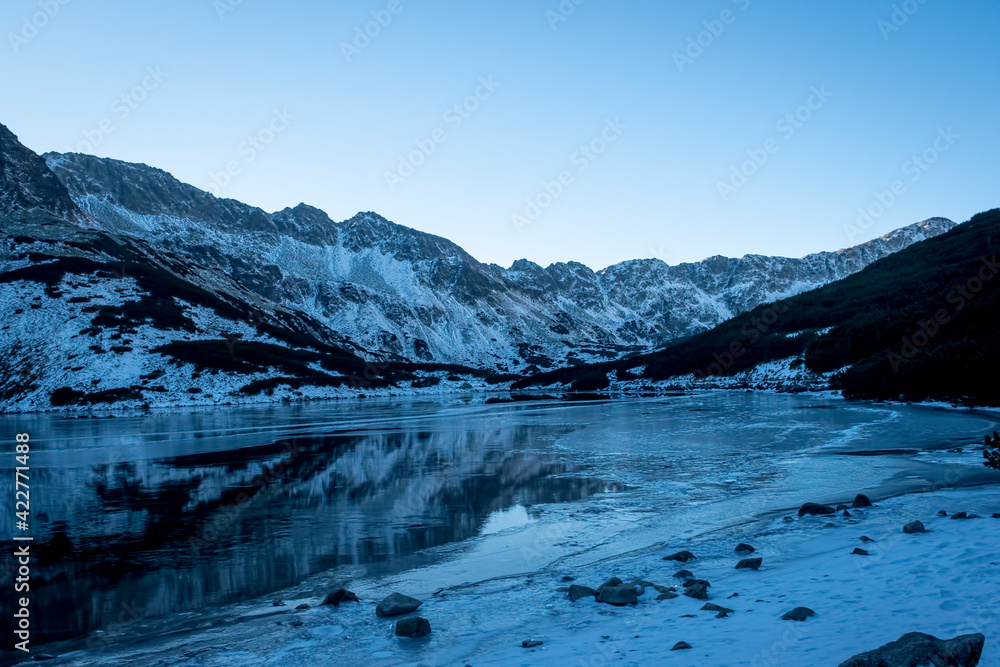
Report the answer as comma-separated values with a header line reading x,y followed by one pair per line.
x,y
908,583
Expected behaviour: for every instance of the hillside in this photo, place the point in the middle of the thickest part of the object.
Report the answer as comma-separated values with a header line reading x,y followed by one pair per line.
x,y
919,324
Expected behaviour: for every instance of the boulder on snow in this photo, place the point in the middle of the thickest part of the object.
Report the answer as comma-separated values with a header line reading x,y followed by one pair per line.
x,y
680,646
683,574
618,595
916,648
860,552
914,527
744,549
613,581
861,500
681,556
711,606
749,564
698,590
396,604
414,627
338,596
816,508
798,614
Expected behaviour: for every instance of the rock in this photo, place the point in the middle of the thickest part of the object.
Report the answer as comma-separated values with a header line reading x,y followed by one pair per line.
x,y
846,514
744,549
577,592
843,508
679,646
798,614
722,614
749,564
914,527
699,591
664,589
681,556
295,622
278,603
531,643
613,581
413,627
861,500
734,595
696,582
942,513
338,596
711,606
618,595
996,515
860,552
568,578
302,607
396,604
916,648
683,574
787,519
816,508
865,538
666,595
959,515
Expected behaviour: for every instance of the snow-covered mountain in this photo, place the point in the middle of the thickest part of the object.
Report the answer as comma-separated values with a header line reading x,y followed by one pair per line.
x,y
402,294
121,285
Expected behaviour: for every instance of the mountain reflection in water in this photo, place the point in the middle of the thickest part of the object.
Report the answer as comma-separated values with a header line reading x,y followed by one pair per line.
x,y
186,532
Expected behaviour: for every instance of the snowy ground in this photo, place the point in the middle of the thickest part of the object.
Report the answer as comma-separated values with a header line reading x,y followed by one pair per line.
x,y
945,582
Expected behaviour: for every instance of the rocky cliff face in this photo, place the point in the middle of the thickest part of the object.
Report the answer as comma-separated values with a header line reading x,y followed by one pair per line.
x,y
400,294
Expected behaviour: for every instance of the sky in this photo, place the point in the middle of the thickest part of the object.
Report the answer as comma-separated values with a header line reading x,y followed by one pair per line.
x,y
580,130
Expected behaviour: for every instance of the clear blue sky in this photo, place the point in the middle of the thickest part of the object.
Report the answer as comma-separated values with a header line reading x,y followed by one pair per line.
x,y
653,191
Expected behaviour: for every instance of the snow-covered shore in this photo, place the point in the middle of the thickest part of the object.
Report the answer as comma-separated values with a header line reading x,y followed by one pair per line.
x,y
945,582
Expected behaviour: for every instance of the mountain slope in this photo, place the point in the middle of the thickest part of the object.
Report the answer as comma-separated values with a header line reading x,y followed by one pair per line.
x,y
922,323
399,294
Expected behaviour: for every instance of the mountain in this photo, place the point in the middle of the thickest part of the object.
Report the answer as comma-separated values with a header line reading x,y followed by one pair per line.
x,y
923,323
121,286
403,295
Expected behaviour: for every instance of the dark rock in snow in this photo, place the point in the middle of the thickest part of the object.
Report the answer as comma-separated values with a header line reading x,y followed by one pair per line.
x,y
959,515
680,646
749,564
681,556
865,538
302,607
744,549
816,508
338,596
618,595
846,514
914,527
683,574
666,595
861,500
396,604
278,603
798,614
531,643
695,582
414,627
699,591
996,515
711,606
942,513
568,578
916,648
860,552
576,592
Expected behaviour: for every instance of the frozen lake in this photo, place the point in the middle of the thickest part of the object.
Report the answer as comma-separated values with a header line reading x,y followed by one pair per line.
x,y
151,522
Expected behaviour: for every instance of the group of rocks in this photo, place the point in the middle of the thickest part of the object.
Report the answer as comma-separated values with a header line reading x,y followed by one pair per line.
x,y
395,604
